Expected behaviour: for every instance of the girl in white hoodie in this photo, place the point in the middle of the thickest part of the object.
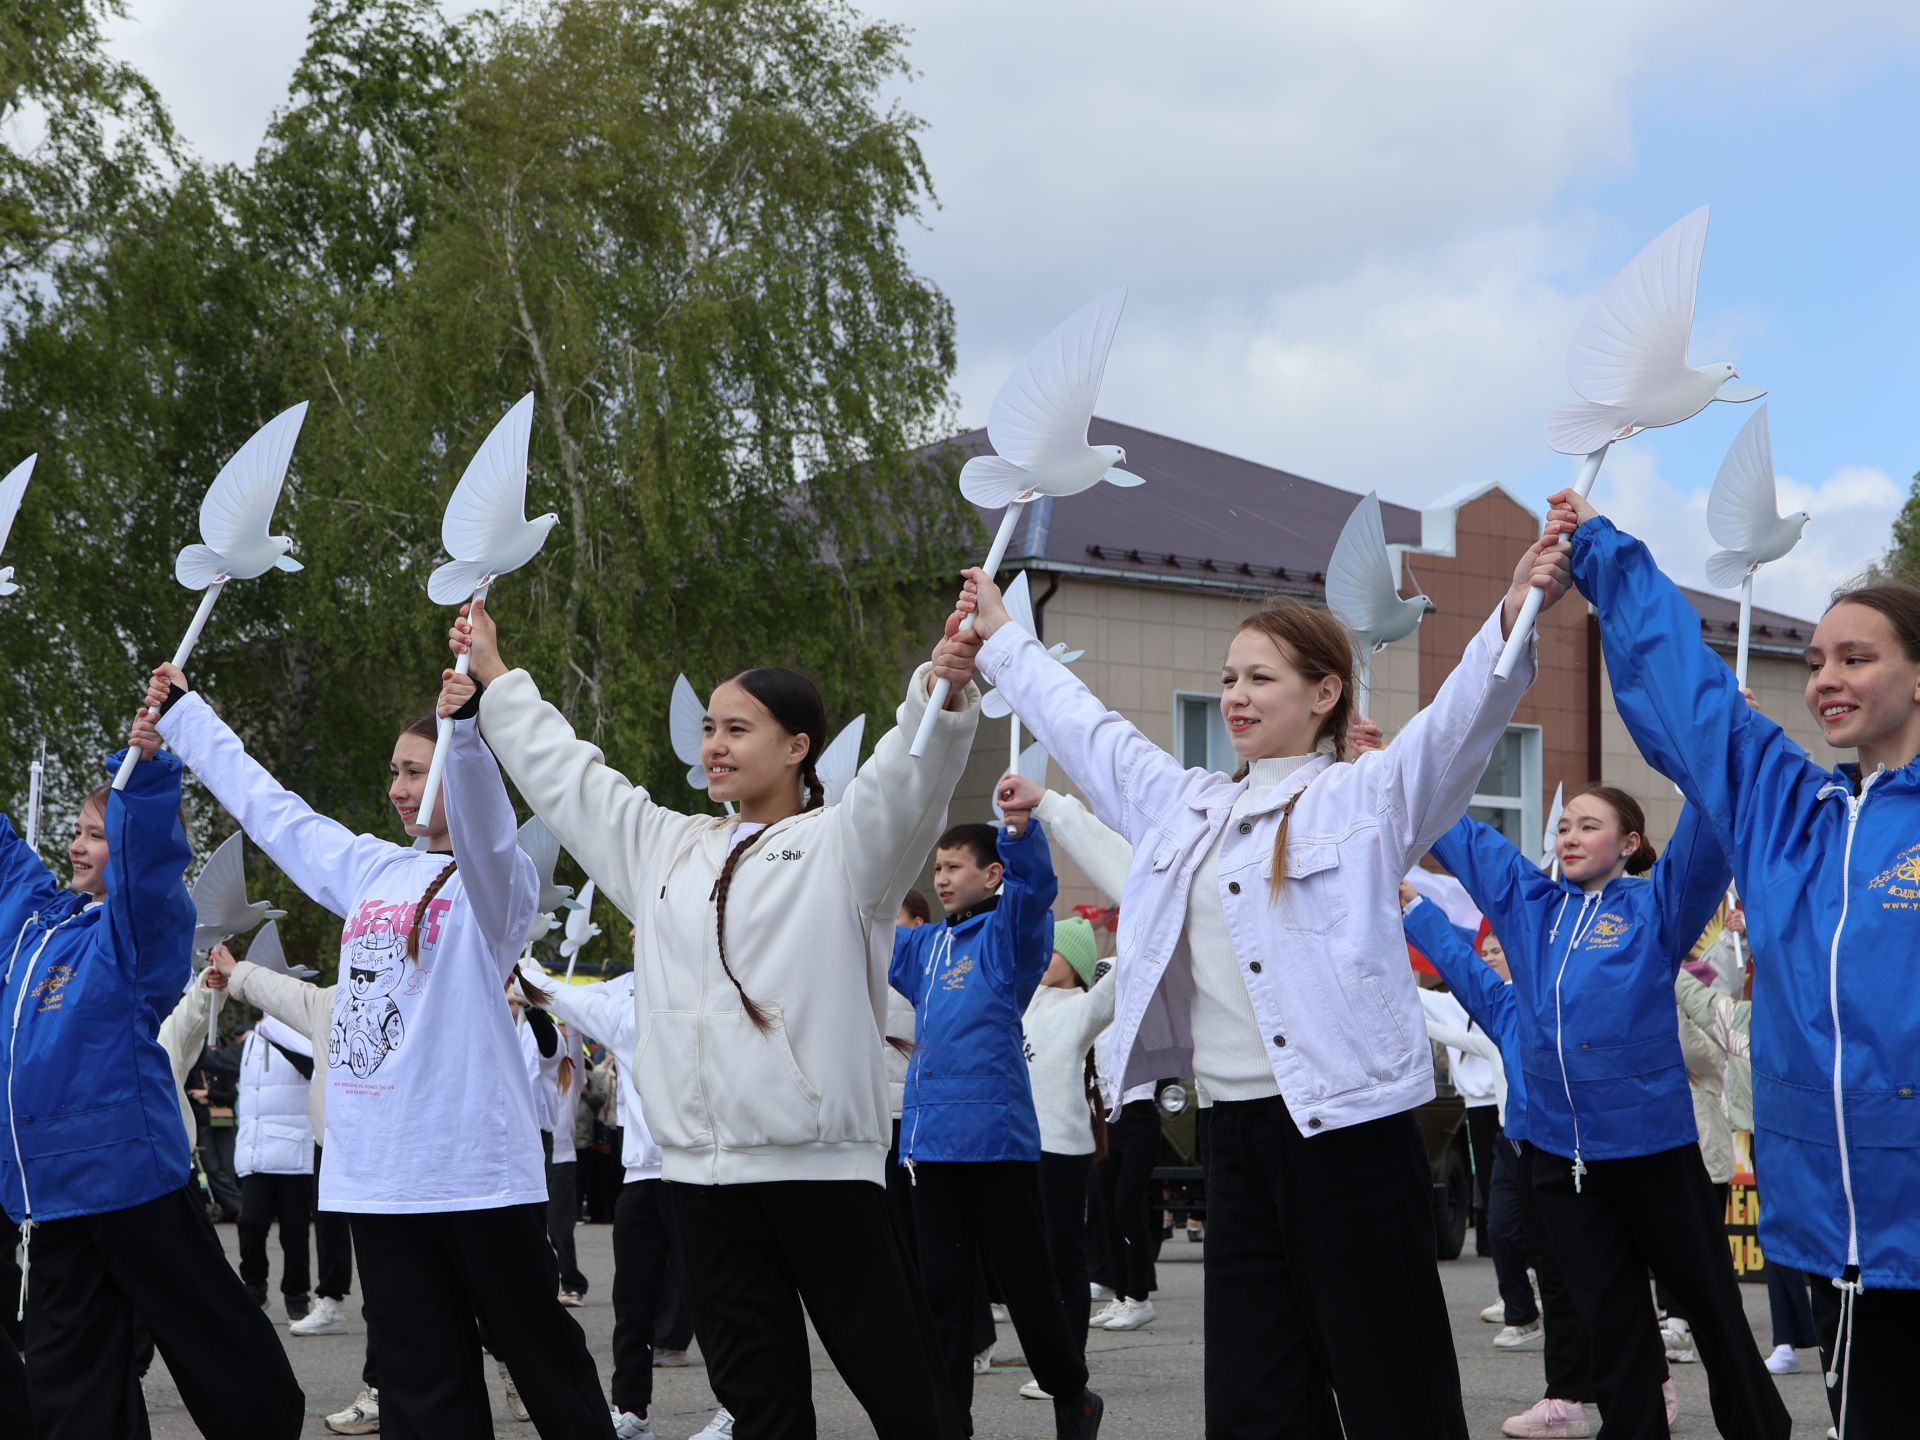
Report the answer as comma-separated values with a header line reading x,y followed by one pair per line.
x,y
760,961
1260,917
431,1143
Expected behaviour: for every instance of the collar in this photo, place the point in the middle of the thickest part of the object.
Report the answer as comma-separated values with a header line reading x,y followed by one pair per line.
x,y
1222,795
973,912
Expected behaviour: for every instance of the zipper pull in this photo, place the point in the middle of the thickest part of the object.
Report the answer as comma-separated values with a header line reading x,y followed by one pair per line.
x,y
26,1255
1579,1170
912,1180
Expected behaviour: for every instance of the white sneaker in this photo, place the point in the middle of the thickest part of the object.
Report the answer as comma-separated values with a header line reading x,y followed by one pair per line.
x,y
327,1317
669,1359
983,1362
1672,1397
720,1427
999,1314
1496,1313
1097,1291
1514,1336
1784,1360
362,1417
1549,1420
1676,1335
629,1426
1133,1314
516,1407
1032,1391
1101,1317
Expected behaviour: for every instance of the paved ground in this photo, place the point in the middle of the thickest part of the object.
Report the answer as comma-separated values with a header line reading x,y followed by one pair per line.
x,y
1150,1378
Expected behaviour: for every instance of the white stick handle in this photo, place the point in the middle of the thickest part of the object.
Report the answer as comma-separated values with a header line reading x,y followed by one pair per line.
x,y
213,1014
443,734
1366,680
180,658
937,701
1013,748
1530,607
1746,632
33,804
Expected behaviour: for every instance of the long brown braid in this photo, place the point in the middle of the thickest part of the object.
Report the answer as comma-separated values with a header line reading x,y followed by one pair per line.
x,y
756,1012
420,909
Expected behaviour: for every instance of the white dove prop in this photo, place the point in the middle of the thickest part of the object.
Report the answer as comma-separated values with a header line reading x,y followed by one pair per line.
x,y
1038,426
11,490
268,953
234,518
36,795
1550,840
580,929
1629,362
1030,764
486,531
221,909
994,705
1364,589
543,848
686,723
1743,514
840,761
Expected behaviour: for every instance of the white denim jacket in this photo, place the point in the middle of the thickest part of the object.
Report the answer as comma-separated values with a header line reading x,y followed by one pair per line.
x,y
1325,962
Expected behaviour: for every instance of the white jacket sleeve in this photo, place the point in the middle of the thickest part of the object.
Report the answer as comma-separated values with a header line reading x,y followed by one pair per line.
x,y
497,877
591,1010
183,1035
896,807
1103,853
1096,1007
605,821
325,859
304,1006
1101,749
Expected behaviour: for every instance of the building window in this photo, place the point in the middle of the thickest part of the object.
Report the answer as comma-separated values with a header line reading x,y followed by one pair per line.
x,y
1508,796
1200,735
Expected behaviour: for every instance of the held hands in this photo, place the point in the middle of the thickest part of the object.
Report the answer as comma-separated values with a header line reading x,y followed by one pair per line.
x,y
1016,796
954,657
1569,509
164,676
1547,567
214,978
144,737
473,633
980,598
1363,735
455,691
220,962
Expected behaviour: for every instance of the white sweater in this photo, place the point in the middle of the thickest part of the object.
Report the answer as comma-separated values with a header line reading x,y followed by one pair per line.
x,y
604,1010
183,1035
428,1109
809,933
1060,1027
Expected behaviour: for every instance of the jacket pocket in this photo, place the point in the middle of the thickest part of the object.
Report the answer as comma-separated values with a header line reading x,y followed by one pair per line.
x,y
667,1067
1310,898
755,1090
1384,1020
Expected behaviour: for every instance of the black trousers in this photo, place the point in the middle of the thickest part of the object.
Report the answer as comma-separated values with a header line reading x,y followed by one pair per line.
x,y
1789,1308
1483,1129
642,1247
900,1201
1569,1351
563,1212
1063,1207
1133,1143
159,1262
15,1418
428,1279
1886,1336
1655,1212
1322,1286
1506,1233
216,1163
967,1214
756,1254
332,1244
263,1199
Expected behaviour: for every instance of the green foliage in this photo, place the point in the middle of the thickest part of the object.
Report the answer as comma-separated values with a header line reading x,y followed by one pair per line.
x,y
1902,561
677,222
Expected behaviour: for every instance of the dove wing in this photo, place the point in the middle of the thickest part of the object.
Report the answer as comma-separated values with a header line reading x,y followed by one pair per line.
x,y
542,847
840,761
1743,508
1033,763
1635,336
579,921
220,890
1019,602
489,505
12,489
686,719
238,508
1043,409
1360,578
266,949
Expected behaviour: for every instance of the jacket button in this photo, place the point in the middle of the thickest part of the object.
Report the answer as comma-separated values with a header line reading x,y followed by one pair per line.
x,y
1279,1042
1254,966
1246,827
1314,1124
1233,887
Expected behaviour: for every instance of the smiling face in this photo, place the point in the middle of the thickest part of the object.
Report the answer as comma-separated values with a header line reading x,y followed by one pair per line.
x,y
1594,846
1270,707
407,778
747,754
1862,687
87,854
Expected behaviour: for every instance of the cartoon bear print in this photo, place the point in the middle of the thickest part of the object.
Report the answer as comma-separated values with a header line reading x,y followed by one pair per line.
x,y
371,1027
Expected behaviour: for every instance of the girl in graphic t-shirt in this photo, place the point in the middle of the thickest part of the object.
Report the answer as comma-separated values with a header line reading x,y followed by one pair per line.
x,y
431,1142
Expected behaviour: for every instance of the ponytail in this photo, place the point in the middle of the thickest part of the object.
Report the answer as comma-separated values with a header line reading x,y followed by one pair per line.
x,y
420,910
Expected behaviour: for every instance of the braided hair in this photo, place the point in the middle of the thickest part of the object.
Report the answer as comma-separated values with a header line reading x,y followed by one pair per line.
x,y
420,909
795,704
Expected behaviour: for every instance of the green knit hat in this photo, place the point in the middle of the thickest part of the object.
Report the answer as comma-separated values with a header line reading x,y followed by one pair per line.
x,y
1074,940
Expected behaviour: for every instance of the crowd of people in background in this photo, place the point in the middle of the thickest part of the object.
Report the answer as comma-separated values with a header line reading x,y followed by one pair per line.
x,y
819,1096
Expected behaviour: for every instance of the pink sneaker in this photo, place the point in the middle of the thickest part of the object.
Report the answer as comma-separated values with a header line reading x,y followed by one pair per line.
x,y
1672,1398
1550,1420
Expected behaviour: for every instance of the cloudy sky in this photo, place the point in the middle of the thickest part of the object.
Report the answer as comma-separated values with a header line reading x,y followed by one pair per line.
x,y
1358,237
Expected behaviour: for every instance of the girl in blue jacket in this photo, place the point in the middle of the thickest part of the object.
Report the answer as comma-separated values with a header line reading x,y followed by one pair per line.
x,y
1828,863
1616,1164
95,1169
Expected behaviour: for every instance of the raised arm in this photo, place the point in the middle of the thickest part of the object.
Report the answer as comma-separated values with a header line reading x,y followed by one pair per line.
x,y
323,857
183,1034
1498,878
1096,1006
497,876
603,1010
1718,1016
1028,889
1689,881
149,908
25,882
1679,700
1103,853
293,1002
1481,993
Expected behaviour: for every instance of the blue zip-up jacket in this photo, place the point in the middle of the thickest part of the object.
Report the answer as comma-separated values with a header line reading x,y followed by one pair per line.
x,y
1593,987
92,1117
969,1096
1829,869
1482,994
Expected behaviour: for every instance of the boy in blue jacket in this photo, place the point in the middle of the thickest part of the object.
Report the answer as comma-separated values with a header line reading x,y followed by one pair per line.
x,y
94,1169
969,1137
